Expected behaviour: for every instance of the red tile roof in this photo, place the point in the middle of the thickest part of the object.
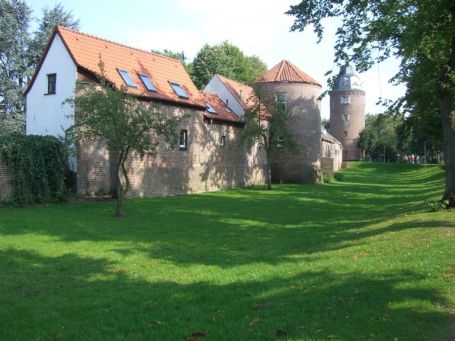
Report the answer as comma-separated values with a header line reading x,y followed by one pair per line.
x,y
86,51
285,71
242,93
223,114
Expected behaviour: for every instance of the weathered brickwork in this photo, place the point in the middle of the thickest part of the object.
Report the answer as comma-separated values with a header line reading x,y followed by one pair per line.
x,y
304,123
6,178
204,166
347,121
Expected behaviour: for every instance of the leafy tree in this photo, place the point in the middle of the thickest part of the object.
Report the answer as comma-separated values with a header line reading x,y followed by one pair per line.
x,y
14,22
379,138
266,123
51,17
227,60
124,123
421,33
176,55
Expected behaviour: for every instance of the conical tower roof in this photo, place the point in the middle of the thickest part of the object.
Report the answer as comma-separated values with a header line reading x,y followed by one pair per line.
x,y
285,71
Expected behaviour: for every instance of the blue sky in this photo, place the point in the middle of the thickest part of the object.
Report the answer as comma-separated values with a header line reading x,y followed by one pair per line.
x,y
257,27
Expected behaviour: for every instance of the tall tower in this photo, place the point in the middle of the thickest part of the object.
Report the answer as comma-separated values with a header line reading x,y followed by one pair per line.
x,y
299,93
347,111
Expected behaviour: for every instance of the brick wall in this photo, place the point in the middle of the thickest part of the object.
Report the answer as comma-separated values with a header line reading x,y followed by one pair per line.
x,y
204,166
6,178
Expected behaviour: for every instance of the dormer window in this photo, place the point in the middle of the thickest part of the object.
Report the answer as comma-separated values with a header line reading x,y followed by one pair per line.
x,y
179,91
127,78
147,82
51,83
210,109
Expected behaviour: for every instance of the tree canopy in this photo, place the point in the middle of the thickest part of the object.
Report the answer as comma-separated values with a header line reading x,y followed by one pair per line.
x,y
421,33
227,60
266,123
125,124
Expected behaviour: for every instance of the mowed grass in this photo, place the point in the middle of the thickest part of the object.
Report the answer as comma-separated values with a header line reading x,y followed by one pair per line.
x,y
361,259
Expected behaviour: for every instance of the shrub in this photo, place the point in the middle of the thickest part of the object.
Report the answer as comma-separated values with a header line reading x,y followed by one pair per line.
x,y
38,164
327,177
338,176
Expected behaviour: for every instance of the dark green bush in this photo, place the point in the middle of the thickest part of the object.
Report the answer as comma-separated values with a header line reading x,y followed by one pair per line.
x,y
338,176
38,164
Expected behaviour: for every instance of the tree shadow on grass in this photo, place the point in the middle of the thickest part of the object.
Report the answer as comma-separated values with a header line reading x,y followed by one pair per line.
x,y
71,297
236,227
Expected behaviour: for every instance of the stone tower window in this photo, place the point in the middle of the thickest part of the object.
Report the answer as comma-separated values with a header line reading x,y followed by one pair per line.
x,y
183,141
345,99
345,133
346,117
223,141
280,98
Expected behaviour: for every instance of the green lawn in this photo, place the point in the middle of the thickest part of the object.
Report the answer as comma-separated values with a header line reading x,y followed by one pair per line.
x,y
361,259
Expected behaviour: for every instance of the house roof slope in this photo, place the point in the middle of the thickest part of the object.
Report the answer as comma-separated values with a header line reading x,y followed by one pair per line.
x,y
223,113
285,71
87,51
241,92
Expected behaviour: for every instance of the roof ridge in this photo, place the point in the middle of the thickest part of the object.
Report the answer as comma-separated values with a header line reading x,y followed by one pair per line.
x,y
281,69
232,80
115,43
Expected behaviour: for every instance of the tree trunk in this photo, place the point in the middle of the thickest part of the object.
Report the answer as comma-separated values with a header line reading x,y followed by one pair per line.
x,y
447,109
119,207
269,170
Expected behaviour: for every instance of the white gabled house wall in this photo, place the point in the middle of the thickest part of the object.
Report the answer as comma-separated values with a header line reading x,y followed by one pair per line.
x,y
47,114
216,86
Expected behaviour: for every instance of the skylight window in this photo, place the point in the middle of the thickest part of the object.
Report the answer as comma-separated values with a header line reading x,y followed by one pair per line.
x,y
147,82
179,91
127,78
210,109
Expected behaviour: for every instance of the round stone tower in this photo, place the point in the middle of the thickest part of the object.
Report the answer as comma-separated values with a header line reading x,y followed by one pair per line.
x,y
299,94
347,112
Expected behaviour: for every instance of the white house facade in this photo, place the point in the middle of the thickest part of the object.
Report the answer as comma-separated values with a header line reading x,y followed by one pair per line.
x,y
220,88
54,83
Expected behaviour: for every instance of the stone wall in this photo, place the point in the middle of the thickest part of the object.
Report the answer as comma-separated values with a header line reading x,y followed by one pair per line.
x,y
328,165
205,166
6,178
304,123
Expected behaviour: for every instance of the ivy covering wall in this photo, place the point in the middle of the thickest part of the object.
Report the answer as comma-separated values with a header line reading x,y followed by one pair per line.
x,y
38,164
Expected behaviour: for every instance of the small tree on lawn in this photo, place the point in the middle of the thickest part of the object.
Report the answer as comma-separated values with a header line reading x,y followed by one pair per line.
x,y
266,123
124,123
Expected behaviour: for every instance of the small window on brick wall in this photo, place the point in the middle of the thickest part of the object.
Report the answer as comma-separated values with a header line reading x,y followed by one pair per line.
x,y
346,117
51,83
183,141
345,99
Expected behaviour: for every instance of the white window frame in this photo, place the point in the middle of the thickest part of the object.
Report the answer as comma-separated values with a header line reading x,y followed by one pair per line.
x,y
183,143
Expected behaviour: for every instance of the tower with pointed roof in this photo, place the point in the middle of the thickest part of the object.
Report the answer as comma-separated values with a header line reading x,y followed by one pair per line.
x,y
347,111
299,93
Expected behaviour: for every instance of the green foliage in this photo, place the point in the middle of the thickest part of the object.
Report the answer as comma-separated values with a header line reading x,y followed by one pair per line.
x,y
176,55
124,123
50,18
327,178
379,136
227,60
338,176
15,17
38,165
420,34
